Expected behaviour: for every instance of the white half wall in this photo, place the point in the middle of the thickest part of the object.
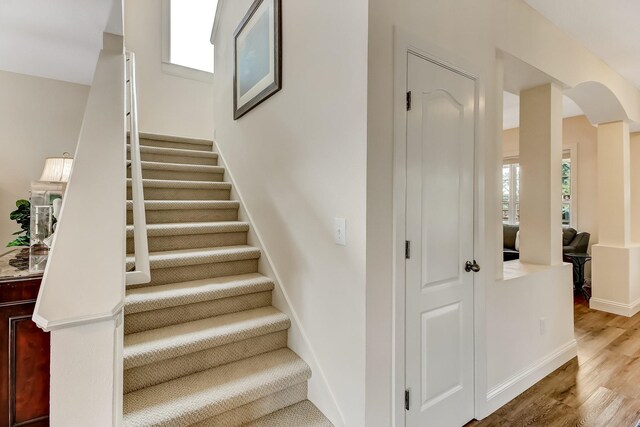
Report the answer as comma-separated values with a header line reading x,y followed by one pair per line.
x,y
38,118
299,160
167,104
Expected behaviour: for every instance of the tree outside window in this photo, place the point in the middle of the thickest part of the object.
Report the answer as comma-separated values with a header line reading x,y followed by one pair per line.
x,y
511,192
566,192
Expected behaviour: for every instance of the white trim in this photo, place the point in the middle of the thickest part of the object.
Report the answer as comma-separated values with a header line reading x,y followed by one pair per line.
x,y
511,162
334,414
186,72
405,42
575,190
621,309
216,22
165,34
516,384
49,326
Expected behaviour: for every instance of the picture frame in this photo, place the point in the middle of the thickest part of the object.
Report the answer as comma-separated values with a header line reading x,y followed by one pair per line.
x,y
257,71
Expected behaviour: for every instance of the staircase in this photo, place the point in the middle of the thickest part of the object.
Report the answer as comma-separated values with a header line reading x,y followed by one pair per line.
x,y
203,345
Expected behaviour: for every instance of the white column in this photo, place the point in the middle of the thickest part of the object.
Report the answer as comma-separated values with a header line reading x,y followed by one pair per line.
x,y
615,273
540,175
635,187
614,184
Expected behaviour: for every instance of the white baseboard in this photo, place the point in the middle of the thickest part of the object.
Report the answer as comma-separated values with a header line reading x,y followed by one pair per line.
x,y
615,307
518,383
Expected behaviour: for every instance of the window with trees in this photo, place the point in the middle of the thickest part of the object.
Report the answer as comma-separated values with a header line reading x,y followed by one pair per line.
x,y
511,191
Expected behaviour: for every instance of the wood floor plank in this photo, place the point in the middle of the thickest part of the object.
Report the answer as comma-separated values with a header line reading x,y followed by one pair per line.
x,y
627,414
627,343
600,408
592,374
543,411
596,341
599,388
625,322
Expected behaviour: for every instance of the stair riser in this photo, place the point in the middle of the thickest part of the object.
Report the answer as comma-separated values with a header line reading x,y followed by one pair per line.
x,y
166,370
179,175
184,160
155,193
186,215
258,408
161,276
192,241
179,145
139,322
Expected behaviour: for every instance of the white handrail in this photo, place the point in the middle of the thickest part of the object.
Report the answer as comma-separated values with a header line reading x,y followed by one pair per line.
x,y
141,273
84,280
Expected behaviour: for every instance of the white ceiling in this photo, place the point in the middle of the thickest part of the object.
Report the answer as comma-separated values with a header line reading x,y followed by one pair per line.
x,y
57,39
609,29
511,110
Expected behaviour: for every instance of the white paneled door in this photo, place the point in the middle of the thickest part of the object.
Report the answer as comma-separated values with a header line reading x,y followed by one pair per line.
x,y
439,289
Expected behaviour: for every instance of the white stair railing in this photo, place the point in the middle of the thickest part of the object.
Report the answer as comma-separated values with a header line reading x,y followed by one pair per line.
x,y
82,294
141,272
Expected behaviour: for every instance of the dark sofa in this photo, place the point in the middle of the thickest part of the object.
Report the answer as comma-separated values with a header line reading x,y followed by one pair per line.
x,y
572,241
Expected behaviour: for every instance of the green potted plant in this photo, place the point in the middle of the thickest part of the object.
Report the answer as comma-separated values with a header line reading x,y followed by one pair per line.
x,y
22,215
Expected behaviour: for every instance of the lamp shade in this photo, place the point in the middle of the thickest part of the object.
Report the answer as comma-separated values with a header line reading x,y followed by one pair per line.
x,y
57,169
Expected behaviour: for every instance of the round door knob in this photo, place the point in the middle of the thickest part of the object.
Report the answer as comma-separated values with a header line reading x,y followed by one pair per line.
x,y
471,266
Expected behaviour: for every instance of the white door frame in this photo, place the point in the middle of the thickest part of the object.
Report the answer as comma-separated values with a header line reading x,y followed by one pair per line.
x,y
404,43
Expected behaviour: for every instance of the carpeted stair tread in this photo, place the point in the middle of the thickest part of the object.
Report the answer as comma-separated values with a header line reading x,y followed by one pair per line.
x,y
203,345
183,257
177,340
195,291
187,204
303,414
175,152
203,395
176,183
181,167
172,138
186,228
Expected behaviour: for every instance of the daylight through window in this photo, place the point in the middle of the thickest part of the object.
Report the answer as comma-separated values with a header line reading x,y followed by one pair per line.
x,y
190,30
511,191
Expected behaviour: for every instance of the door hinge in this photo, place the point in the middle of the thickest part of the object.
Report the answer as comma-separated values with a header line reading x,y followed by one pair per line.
x,y
406,399
407,249
409,101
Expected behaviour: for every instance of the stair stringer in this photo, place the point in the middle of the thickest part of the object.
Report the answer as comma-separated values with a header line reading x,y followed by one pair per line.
x,y
319,390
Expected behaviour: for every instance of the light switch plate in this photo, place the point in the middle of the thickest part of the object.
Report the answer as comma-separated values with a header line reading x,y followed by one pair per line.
x,y
340,231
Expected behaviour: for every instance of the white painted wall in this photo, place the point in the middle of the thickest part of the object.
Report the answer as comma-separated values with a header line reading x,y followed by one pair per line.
x,y
299,160
38,118
471,33
522,352
167,103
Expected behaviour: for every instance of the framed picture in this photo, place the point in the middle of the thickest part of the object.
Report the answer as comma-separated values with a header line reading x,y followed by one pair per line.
x,y
258,56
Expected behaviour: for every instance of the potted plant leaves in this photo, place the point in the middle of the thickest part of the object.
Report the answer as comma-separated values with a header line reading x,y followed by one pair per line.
x,y
22,215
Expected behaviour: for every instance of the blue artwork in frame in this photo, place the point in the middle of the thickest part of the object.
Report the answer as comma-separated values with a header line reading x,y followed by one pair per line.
x,y
258,56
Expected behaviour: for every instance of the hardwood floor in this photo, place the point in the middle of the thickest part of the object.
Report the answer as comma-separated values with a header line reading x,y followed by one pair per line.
x,y
600,388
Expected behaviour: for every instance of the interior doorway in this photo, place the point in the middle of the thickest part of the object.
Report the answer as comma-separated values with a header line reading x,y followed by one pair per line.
x,y
440,264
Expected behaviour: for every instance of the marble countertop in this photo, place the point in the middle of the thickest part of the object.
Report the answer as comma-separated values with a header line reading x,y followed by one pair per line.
x,y
14,264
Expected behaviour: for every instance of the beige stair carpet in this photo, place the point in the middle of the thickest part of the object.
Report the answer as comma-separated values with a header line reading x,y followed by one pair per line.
x,y
203,345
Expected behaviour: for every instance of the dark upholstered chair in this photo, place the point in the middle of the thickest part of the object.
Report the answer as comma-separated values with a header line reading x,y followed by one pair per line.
x,y
572,241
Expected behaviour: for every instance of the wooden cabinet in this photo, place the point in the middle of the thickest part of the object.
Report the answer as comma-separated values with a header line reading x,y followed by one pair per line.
x,y
24,355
